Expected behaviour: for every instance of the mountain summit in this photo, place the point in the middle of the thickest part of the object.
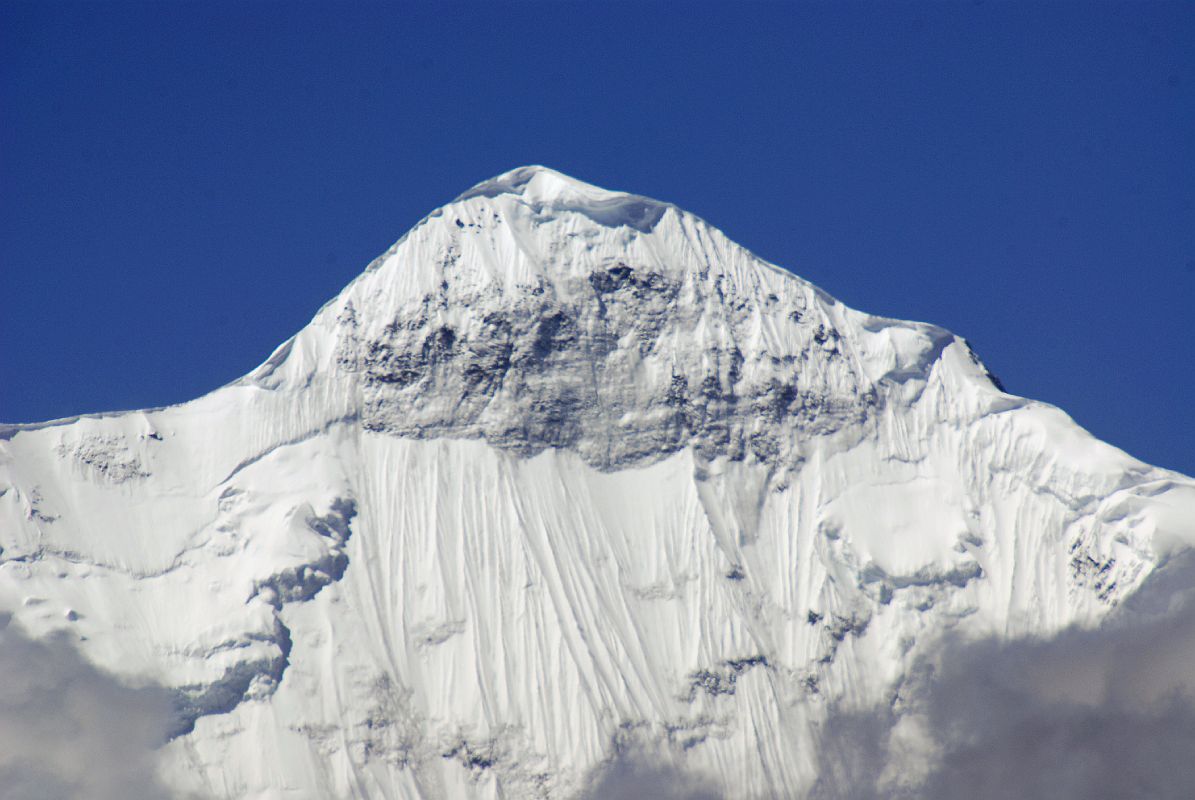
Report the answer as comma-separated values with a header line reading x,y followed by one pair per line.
x,y
565,477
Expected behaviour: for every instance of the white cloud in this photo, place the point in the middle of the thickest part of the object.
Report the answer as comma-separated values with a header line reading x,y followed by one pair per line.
x,y
68,730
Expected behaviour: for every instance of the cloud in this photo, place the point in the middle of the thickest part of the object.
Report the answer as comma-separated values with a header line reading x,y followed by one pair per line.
x,y
68,730
1108,712
630,777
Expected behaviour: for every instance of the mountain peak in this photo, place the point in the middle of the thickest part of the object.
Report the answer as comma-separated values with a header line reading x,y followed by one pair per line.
x,y
545,188
538,489
534,181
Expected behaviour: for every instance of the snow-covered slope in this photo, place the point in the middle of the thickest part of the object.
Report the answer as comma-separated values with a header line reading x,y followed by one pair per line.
x,y
563,473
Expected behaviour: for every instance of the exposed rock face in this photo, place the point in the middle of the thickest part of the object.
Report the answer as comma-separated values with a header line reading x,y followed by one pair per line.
x,y
564,474
617,365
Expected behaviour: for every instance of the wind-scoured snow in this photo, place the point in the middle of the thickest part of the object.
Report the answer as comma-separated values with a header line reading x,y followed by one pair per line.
x,y
564,473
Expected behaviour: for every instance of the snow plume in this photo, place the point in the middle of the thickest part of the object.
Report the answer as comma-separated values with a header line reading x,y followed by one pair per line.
x,y
1108,712
68,730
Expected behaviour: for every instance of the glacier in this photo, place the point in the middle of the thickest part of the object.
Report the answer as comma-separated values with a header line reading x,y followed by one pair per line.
x,y
566,474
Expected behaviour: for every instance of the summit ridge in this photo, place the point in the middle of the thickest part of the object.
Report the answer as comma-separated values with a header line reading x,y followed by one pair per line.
x,y
538,182
546,189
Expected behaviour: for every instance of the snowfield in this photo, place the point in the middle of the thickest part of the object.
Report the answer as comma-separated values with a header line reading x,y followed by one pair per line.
x,y
566,475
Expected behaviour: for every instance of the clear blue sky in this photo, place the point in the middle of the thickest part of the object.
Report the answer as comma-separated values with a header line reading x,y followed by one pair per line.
x,y
182,186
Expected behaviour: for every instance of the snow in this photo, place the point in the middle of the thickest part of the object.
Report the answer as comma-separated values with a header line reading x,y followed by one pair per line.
x,y
564,469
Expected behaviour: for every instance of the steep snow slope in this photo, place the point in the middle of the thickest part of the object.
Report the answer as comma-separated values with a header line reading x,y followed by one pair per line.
x,y
564,472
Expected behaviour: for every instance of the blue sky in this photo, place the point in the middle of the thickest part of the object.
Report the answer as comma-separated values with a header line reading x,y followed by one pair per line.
x,y
182,186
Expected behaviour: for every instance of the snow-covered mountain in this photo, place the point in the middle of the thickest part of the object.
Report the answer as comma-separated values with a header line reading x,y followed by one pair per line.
x,y
565,474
